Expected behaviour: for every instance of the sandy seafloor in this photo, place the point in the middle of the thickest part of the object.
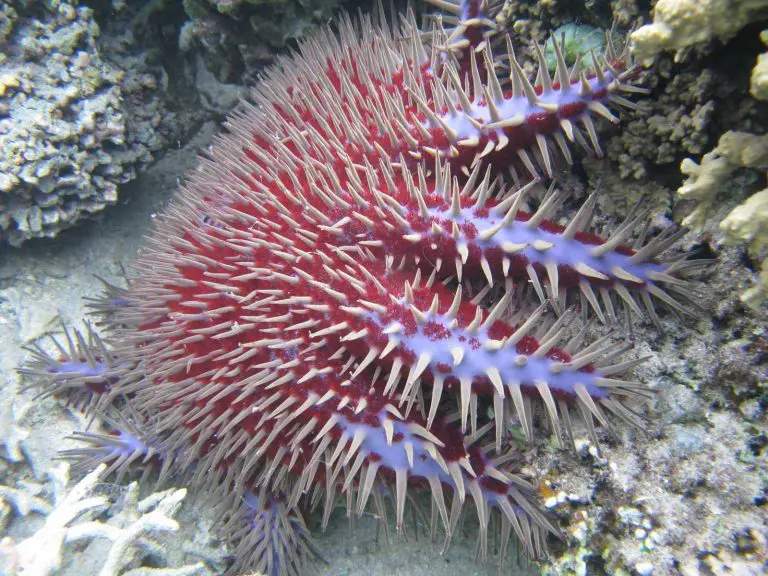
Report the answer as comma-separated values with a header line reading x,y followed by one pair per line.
x,y
42,285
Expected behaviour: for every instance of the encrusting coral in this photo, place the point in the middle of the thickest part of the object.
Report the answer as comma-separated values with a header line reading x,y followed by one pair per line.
x,y
71,130
328,307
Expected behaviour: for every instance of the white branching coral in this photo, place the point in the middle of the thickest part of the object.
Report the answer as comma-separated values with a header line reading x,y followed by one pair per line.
x,y
75,519
12,435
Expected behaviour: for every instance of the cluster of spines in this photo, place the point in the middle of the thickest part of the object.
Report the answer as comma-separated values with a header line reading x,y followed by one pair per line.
x,y
126,446
81,369
391,190
271,536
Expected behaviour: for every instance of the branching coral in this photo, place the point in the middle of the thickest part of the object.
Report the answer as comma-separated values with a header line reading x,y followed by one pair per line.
x,y
41,554
734,150
75,519
11,434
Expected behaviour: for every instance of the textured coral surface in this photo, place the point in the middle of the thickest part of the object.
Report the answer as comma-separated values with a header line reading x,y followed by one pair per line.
x,y
82,110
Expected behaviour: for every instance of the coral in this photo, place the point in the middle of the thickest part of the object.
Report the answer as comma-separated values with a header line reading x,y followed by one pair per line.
x,y
747,223
74,520
733,151
625,11
80,114
55,138
11,434
310,317
22,502
61,125
759,81
675,124
536,20
7,17
678,24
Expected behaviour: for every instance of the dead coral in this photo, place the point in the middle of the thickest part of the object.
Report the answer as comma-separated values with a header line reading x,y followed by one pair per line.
x,y
76,519
12,435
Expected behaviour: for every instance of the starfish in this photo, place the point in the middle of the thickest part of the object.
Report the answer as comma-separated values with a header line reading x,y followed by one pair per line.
x,y
326,307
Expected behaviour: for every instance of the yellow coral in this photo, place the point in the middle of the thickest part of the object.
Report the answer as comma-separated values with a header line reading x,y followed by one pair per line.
x,y
734,150
8,81
748,224
678,24
759,81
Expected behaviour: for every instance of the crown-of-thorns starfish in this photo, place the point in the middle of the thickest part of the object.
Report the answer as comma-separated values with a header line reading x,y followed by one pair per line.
x,y
307,320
